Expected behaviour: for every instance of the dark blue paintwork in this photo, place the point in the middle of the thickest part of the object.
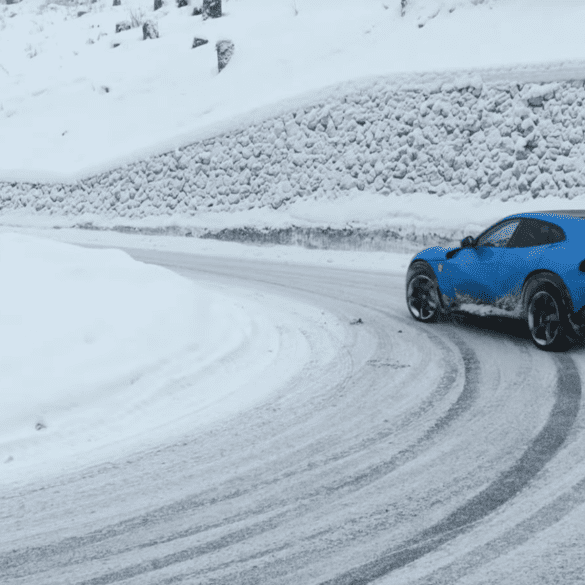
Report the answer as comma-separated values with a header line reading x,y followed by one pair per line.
x,y
496,275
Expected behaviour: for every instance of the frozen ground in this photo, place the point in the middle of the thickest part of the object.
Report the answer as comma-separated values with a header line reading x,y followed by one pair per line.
x,y
111,103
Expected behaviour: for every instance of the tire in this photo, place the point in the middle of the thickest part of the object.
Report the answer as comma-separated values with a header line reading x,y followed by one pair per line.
x,y
423,297
547,316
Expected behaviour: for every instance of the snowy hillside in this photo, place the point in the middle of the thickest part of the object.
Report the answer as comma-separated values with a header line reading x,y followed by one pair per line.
x,y
74,94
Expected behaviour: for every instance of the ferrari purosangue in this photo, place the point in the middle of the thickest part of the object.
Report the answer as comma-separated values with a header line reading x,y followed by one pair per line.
x,y
530,266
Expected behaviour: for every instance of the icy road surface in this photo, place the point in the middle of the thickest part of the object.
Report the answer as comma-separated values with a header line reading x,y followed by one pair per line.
x,y
417,454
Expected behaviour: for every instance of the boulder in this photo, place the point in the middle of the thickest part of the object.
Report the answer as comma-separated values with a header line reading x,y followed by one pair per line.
x,y
117,3
197,42
149,30
211,9
225,51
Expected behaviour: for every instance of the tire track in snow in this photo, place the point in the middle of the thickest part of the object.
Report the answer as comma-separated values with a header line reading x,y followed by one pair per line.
x,y
508,485
546,517
133,550
65,553
463,403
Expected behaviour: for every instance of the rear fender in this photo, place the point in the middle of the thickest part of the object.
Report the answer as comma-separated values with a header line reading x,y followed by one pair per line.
x,y
555,280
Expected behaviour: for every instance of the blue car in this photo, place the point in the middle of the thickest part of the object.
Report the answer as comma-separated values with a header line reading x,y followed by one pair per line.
x,y
529,266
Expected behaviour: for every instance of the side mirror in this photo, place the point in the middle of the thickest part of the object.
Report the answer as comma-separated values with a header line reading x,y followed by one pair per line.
x,y
467,242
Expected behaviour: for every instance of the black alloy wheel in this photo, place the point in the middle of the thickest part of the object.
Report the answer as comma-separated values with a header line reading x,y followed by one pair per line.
x,y
547,319
422,295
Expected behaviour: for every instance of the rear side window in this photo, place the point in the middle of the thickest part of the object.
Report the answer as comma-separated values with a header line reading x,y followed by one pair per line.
x,y
536,232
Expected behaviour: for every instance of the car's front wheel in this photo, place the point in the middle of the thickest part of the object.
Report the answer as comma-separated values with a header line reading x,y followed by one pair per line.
x,y
548,321
422,293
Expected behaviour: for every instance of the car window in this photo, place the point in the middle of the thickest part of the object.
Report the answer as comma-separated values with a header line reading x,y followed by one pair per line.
x,y
551,233
499,235
536,232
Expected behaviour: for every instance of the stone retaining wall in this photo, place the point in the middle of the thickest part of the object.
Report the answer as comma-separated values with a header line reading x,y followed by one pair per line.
x,y
483,140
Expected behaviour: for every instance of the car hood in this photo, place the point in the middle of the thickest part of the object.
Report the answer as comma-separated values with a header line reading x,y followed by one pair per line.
x,y
434,254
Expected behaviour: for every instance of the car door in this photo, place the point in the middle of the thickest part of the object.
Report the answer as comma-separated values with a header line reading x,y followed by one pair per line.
x,y
476,272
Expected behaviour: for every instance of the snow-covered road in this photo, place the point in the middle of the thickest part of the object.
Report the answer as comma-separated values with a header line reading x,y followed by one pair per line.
x,y
408,454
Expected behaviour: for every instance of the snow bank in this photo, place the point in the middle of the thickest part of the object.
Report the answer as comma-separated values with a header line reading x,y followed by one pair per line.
x,y
358,220
88,335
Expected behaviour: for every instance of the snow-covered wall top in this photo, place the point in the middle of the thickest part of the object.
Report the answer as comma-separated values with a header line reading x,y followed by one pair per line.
x,y
488,141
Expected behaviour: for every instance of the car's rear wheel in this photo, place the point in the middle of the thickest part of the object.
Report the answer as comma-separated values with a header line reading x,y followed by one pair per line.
x,y
422,293
547,317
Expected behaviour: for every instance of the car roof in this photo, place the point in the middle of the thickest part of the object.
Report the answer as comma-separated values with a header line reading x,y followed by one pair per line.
x,y
568,219
560,216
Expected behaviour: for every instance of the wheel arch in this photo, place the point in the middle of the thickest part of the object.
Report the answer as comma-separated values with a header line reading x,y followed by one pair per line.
x,y
546,276
422,262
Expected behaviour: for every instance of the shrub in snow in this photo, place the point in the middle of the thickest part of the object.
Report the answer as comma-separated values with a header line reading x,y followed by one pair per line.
x,y
117,3
197,11
137,17
149,30
122,26
225,51
158,4
181,3
197,42
211,9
